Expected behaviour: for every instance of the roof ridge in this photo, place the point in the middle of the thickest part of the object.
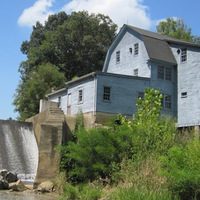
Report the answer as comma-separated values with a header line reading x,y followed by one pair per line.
x,y
160,36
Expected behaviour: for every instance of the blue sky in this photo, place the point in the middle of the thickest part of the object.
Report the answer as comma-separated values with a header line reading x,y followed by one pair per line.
x,y
18,17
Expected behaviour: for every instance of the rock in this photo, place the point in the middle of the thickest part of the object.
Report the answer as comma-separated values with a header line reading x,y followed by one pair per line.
x,y
3,172
11,177
18,186
46,186
4,185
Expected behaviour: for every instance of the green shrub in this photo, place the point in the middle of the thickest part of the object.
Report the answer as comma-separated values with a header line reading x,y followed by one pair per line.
x,y
181,167
96,153
141,194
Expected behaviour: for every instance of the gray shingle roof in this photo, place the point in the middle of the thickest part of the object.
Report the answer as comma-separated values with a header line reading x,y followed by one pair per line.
x,y
158,45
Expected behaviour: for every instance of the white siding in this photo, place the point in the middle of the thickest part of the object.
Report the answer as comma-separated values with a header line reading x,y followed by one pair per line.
x,y
89,93
128,61
188,81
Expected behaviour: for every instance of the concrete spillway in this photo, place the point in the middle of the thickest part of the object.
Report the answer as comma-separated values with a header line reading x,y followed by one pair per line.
x,y
18,148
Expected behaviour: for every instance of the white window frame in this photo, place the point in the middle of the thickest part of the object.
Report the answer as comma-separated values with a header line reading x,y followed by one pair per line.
x,y
106,93
136,49
80,96
118,57
183,55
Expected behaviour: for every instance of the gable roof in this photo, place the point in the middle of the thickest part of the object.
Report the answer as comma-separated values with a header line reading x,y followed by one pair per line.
x,y
157,45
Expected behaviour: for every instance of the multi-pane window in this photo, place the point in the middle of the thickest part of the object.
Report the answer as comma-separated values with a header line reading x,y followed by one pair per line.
x,y
183,55
168,73
136,49
165,73
135,72
166,102
80,96
118,57
106,93
161,72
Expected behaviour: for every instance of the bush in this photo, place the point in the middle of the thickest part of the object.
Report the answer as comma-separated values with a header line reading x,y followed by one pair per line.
x,y
96,153
181,167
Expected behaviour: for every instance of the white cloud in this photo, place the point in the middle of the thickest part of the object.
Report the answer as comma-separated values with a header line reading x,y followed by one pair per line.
x,y
131,12
38,12
120,11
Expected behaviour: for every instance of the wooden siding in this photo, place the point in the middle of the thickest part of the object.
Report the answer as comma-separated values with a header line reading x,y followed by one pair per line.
x,y
188,81
89,93
128,61
124,92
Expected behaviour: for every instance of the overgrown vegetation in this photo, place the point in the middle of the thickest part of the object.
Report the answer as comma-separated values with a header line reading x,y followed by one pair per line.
x,y
143,158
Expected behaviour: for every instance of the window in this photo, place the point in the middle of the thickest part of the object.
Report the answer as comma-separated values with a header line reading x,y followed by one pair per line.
x,y
183,55
59,101
161,72
118,57
184,95
80,96
166,101
140,95
106,94
165,73
168,73
135,72
136,49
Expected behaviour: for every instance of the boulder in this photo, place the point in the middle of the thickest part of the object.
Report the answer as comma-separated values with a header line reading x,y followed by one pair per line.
x,y
3,172
46,186
4,184
11,177
18,186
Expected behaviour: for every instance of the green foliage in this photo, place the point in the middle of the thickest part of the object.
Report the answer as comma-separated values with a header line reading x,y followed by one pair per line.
x,y
29,92
181,167
79,123
152,133
96,153
81,191
177,29
141,194
76,44
99,152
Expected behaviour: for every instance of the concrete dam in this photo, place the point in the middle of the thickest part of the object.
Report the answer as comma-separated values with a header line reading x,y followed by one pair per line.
x,y
28,148
18,149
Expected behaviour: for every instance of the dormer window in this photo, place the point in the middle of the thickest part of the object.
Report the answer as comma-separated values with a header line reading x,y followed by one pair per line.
x,y
183,55
136,49
118,57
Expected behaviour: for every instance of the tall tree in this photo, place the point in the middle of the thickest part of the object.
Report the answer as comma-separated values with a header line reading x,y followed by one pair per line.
x,y
177,29
76,44
29,93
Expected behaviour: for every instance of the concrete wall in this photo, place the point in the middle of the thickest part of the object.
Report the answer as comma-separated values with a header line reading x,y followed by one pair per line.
x,y
50,130
44,105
